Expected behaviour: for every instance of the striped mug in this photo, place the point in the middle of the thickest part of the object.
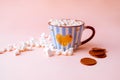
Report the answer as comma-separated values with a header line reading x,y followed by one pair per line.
x,y
65,37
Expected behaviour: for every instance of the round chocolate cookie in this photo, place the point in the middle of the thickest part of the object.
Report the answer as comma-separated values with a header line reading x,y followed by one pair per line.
x,y
88,61
101,56
98,49
98,52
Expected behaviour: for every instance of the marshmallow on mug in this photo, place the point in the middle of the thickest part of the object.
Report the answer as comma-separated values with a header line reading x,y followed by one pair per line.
x,y
65,22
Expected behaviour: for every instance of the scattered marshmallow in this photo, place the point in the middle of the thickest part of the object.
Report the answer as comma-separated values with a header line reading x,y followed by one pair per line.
x,y
42,35
48,52
37,45
27,43
58,52
70,51
10,48
17,52
22,48
28,48
49,38
44,41
2,50
32,43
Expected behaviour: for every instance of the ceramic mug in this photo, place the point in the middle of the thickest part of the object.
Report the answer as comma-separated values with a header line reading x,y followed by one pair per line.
x,y
65,37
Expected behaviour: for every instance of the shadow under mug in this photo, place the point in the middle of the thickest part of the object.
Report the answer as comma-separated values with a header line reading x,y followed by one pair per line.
x,y
65,37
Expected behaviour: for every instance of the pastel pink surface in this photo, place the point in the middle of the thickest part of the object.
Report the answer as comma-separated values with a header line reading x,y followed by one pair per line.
x,y
21,19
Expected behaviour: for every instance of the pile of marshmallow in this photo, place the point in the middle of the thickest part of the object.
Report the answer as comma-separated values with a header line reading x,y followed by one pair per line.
x,y
64,22
43,42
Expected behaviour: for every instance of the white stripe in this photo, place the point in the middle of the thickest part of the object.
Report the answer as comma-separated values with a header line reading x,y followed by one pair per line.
x,y
60,30
67,33
52,34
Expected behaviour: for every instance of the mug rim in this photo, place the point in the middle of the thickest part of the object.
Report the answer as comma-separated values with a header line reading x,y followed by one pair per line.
x,y
49,23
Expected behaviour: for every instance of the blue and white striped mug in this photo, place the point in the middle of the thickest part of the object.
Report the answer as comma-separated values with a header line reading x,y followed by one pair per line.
x,y
65,37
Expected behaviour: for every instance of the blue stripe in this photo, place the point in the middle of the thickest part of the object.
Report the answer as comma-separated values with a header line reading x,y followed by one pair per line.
x,y
70,33
64,33
57,29
82,27
75,33
58,32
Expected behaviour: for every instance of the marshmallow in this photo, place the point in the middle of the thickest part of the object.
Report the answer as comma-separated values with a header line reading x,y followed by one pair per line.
x,y
58,52
49,38
2,50
23,47
70,52
17,52
37,45
65,22
33,41
10,48
44,41
42,35
28,48
48,52
27,43
65,52
51,46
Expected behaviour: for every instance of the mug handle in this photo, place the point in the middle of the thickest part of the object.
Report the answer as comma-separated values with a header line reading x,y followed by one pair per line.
x,y
93,34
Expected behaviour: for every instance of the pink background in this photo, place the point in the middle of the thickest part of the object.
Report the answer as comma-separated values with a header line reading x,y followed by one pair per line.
x,y
21,19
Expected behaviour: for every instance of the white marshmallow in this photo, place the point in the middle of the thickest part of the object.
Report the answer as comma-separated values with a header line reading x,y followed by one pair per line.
x,y
51,46
32,44
65,52
28,48
65,22
17,52
10,48
37,45
49,38
48,52
2,50
58,52
70,51
27,43
42,35
22,48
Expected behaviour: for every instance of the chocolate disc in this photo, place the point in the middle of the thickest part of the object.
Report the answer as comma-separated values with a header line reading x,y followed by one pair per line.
x,y
98,49
88,61
94,53
101,56
98,52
